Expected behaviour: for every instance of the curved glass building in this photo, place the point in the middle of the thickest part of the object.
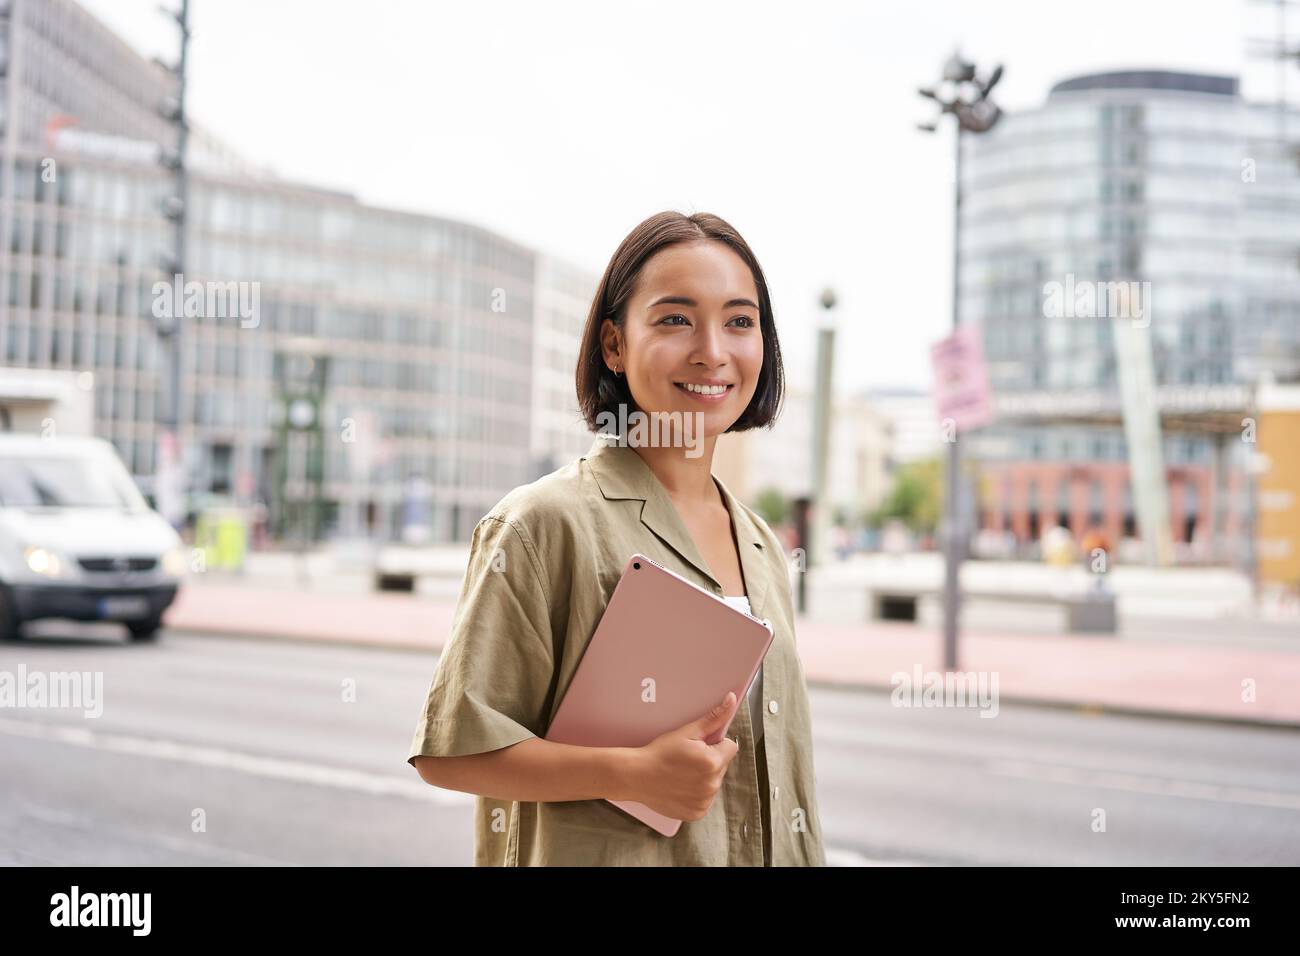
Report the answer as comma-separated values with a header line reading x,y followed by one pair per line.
x,y
1174,187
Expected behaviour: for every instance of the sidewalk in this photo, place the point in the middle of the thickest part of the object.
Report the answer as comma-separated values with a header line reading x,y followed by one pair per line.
x,y
1098,673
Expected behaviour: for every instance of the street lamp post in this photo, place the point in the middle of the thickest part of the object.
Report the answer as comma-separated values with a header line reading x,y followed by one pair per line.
x,y
963,95
169,468
819,550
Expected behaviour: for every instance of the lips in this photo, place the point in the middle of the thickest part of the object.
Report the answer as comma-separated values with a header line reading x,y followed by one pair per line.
x,y
705,392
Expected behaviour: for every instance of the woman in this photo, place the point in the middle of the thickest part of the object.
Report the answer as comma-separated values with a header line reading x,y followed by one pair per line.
x,y
681,325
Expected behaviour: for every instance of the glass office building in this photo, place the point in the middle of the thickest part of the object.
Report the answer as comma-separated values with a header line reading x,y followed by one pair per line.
x,y
444,342
1164,178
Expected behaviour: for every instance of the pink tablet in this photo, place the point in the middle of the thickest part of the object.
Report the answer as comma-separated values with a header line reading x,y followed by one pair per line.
x,y
664,653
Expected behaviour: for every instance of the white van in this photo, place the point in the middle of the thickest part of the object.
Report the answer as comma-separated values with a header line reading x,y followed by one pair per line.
x,y
78,540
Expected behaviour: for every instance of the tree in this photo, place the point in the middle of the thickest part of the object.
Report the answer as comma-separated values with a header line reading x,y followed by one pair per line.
x,y
916,498
772,505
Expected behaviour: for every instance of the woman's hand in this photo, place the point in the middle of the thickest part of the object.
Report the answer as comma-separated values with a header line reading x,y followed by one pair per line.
x,y
678,774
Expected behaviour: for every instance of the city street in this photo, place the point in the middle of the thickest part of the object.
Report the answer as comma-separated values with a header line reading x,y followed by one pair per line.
x,y
294,753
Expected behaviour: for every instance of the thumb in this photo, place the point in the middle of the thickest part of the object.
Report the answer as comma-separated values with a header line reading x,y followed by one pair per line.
x,y
715,719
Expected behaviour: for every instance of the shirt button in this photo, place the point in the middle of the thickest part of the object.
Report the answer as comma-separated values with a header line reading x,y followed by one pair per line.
x,y
772,706
776,792
744,830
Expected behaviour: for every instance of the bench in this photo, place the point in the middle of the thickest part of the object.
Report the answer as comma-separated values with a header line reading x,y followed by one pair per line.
x,y
1087,612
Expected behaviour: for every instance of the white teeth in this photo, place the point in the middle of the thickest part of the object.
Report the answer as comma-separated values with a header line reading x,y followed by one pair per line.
x,y
704,389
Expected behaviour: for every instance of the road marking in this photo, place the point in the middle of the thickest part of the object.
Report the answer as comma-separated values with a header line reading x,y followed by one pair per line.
x,y
838,856
116,832
1136,783
275,768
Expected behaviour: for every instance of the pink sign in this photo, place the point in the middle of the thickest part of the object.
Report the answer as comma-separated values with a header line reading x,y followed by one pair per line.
x,y
961,379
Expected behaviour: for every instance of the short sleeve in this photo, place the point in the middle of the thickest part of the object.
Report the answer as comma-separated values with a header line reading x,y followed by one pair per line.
x,y
493,681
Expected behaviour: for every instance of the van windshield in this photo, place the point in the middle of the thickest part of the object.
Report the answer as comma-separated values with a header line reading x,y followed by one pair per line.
x,y
64,483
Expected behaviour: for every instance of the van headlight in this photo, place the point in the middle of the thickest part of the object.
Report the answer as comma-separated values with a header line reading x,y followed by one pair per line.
x,y
176,562
44,562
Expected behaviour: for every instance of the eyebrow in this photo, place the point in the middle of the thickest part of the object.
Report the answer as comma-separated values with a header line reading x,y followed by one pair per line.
x,y
687,300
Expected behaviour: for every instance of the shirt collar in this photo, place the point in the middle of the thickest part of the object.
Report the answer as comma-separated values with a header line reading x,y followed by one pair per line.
x,y
621,473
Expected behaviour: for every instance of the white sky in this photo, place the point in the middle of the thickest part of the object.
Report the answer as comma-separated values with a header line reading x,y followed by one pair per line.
x,y
563,124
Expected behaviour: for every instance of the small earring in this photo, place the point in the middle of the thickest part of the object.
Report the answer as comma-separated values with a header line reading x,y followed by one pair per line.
x,y
618,369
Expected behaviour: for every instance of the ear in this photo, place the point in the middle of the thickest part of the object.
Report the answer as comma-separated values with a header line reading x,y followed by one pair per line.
x,y
611,345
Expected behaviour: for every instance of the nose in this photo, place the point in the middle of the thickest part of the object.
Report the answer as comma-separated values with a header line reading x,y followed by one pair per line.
x,y
708,347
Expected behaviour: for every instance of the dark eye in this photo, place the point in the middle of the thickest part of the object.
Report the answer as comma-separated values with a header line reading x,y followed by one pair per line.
x,y
748,322
667,319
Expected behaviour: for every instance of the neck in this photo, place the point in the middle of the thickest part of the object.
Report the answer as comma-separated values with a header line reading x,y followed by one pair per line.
x,y
682,477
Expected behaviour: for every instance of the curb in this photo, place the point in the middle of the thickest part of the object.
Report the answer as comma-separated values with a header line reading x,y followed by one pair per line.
x,y
1089,707
354,643
1095,708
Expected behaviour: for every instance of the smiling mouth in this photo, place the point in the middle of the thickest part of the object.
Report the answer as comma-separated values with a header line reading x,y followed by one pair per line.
x,y
704,391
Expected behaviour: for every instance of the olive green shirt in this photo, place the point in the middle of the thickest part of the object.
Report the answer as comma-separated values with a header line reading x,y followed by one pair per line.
x,y
543,564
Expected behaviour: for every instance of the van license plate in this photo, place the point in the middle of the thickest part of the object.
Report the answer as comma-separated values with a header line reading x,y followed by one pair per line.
x,y
120,607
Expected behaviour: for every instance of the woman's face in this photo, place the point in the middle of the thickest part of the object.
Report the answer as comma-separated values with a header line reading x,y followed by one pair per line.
x,y
691,339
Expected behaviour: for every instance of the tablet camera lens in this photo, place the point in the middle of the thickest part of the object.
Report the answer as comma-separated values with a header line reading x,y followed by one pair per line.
x,y
636,565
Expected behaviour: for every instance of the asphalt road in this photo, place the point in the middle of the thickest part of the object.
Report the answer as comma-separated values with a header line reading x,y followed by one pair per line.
x,y
213,751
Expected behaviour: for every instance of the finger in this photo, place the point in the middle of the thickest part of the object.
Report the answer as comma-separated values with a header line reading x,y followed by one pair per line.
x,y
715,719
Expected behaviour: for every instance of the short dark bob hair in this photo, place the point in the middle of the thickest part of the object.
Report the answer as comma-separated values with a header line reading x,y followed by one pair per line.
x,y
599,389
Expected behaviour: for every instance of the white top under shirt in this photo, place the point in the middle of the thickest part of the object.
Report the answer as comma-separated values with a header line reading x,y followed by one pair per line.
x,y
741,602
